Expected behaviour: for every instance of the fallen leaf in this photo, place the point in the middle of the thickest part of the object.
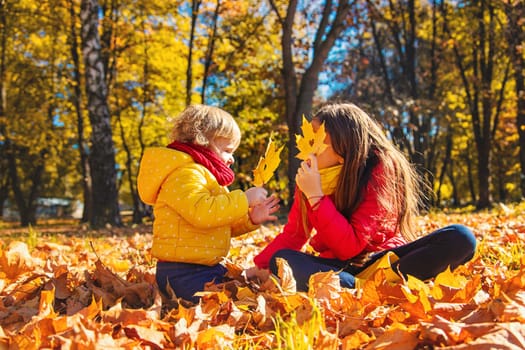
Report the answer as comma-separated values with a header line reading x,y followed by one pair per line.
x,y
326,288
16,260
148,337
285,273
397,337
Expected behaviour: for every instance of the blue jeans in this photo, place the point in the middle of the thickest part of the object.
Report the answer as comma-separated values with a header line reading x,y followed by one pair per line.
x,y
423,258
187,279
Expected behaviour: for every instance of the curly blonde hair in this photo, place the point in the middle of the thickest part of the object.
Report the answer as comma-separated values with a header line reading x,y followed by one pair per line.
x,y
200,124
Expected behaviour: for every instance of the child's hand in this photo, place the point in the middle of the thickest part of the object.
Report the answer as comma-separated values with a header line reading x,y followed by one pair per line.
x,y
263,211
308,178
255,195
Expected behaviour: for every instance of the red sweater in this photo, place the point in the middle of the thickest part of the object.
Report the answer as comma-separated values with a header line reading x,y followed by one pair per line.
x,y
369,229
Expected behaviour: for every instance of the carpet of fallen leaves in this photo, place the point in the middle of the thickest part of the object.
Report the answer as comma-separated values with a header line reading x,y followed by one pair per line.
x,y
78,289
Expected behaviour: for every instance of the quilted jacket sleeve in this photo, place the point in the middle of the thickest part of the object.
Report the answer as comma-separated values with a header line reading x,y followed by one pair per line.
x,y
242,226
202,201
292,237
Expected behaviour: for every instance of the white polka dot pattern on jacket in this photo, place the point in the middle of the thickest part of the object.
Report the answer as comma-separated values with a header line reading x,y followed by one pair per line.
x,y
195,217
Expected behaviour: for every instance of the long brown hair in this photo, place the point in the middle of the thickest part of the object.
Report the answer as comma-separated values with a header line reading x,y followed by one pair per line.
x,y
362,143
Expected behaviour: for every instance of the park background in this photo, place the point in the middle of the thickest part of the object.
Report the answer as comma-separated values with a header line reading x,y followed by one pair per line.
x,y
86,86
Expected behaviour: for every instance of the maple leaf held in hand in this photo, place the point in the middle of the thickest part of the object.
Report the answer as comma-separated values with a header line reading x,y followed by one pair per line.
x,y
267,164
310,142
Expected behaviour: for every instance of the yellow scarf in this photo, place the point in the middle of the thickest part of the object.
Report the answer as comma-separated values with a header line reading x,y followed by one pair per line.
x,y
329,177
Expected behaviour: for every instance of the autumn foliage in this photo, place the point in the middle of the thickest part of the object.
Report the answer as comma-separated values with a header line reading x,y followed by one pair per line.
x,y
80,290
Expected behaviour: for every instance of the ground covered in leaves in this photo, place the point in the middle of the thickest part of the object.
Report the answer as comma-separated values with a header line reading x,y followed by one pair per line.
x,y
71,288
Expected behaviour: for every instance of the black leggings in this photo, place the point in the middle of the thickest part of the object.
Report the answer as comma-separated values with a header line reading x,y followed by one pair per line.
x,y
423,258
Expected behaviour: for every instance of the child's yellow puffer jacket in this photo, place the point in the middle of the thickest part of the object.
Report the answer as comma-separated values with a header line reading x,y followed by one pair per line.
x,y
194,216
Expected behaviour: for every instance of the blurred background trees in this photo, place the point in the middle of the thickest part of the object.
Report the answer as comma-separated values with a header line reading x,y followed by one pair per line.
x,y
445,78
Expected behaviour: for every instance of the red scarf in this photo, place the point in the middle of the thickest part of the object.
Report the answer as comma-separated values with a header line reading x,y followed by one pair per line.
x,y
207,158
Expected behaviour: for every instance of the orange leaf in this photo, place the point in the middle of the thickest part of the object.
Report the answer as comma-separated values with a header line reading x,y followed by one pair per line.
x,y
397,337
505,335
447,278
369,294
285,274
244,293
260,313
517,282
219,337
418,302
356,340
47,297
16,260
151,337
26,290
92,310
326,287
293,301
326,340
454,287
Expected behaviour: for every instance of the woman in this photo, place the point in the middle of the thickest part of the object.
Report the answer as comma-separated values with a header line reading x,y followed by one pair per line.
x,y
357,200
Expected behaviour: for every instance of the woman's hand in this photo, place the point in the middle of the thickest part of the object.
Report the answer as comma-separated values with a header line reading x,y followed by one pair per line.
x,y
308,179
263,211
255,195
255,273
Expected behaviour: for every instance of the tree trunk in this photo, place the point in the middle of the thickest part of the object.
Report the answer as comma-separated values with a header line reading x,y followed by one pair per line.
x,y
4,186
4,165
102,155
137,203
479,95
500,176
515,13
299,97
470,175
446,160
484,139
209,52
455,197
484,198
77,98
110,12
195,4
139,207
415,128
26,206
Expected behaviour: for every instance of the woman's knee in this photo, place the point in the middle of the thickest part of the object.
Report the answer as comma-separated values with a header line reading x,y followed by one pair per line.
x,y
463,237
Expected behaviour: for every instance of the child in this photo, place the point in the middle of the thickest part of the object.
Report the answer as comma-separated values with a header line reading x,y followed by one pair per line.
x,y
195,214
359,196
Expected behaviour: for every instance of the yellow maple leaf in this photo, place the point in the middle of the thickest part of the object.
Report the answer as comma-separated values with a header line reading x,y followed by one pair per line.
x,y
310,142
421,292
267,164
